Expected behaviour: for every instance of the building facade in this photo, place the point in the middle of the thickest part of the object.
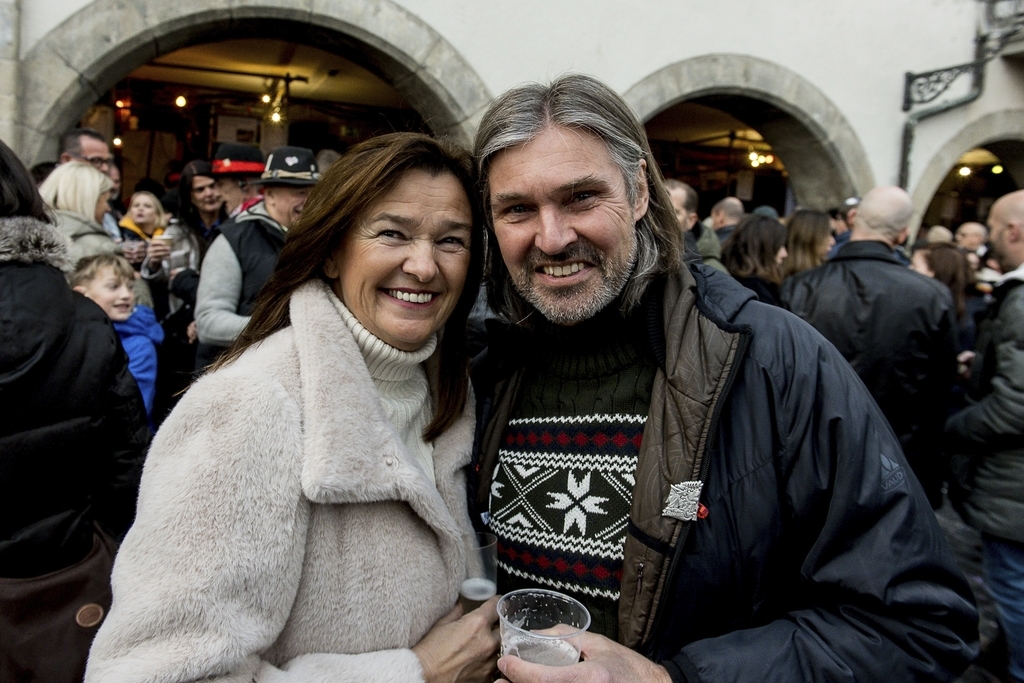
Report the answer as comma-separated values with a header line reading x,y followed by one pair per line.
x,y
823,83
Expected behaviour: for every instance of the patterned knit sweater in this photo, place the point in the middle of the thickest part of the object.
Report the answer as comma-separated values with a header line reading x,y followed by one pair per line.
x,y
562,491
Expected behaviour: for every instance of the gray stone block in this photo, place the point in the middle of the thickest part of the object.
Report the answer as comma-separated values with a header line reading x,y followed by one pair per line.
x,y
380,23
45,79
821,151
450,71
284,10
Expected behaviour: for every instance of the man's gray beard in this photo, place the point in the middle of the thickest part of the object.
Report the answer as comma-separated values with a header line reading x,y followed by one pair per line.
x,y
614,277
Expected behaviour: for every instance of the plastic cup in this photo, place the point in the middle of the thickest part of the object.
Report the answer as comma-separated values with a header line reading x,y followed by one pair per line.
x,y
542,626
481,582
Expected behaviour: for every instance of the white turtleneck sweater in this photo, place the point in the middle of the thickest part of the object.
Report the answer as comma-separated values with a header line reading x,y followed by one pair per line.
x,y
401,382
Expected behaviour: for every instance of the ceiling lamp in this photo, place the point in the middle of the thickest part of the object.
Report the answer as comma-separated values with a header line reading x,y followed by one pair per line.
x,y
997,169
180,101
757,159
965,171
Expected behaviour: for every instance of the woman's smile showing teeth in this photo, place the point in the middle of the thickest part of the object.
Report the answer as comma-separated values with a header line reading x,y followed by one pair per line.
x,y
401,267
411,297
562,271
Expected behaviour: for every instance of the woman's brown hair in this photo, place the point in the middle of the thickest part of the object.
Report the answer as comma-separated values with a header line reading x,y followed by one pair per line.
x,y
365,175
951,268
751,248
807,234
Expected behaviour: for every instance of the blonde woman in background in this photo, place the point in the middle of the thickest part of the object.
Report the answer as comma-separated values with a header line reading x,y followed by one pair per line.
x,y
77,194
145,219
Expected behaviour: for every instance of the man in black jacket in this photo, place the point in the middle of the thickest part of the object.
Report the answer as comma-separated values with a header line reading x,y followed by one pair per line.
x,y
990,430
897,328
703,471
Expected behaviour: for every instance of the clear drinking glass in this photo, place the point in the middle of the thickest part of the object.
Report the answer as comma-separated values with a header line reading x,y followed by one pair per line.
x,y
542,626
481,582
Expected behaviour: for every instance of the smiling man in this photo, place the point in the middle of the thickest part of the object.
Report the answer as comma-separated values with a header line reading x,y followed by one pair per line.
x,y
704,472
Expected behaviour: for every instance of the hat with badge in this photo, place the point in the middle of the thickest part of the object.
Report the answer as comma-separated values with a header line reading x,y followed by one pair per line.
x,y
238,160
290,166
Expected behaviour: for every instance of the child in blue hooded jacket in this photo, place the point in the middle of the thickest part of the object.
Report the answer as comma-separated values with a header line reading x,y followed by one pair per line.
x,y
107,280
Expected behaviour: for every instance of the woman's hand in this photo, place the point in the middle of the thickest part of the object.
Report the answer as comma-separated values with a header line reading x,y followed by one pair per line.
x,y
134,252
157,251
461,648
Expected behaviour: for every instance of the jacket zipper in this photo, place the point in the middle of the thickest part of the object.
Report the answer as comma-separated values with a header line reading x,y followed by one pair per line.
x,y
705,465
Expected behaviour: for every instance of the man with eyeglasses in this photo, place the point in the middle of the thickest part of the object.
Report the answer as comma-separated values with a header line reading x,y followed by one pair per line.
x,y
86,145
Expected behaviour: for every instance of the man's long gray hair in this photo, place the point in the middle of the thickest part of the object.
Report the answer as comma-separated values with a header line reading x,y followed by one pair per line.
x,y
582,103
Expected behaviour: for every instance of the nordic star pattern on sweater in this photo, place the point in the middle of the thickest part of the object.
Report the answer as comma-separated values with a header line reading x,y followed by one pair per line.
x,y
560,500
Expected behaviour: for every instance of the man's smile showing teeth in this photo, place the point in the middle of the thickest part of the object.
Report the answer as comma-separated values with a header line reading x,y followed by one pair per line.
x,y
562,271
421,298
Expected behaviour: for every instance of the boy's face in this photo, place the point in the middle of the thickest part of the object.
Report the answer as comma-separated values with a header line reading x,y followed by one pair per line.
x,y
111,293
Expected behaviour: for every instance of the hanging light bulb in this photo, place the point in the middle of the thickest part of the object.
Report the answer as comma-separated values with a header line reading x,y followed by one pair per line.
x,y
752,156
768,158
276,117
965,171
997,169
117,142
265,99
180,101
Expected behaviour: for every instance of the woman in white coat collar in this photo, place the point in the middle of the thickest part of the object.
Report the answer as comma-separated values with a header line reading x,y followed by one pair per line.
x,y
301,510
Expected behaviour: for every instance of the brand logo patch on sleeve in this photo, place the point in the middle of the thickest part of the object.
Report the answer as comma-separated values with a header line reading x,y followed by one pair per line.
x,y
893,476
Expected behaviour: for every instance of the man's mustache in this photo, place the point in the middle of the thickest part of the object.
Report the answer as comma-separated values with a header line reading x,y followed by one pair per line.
x,y
581,250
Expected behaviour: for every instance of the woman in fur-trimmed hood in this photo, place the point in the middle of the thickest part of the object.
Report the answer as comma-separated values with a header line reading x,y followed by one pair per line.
x,y
72,434
72,426
302,509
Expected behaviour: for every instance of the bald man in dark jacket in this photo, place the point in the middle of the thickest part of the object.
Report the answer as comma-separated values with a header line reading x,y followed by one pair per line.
x,y
897,328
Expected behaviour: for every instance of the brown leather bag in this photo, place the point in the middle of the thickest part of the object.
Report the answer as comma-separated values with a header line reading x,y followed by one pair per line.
x,y
47,622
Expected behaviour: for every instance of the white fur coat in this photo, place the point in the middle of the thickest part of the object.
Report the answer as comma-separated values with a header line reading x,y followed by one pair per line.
x,y
283,531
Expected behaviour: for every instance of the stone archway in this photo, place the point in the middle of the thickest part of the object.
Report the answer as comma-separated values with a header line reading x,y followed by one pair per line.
x,y
1001,132
824,157
73,65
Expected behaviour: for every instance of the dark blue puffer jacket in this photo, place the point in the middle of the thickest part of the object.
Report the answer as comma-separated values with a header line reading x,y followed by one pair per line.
x,y
816,556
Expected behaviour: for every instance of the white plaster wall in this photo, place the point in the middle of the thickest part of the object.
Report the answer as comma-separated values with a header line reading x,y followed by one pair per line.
x,y
855,51
39,17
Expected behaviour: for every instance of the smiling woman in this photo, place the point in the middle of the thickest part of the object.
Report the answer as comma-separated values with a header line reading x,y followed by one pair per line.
x,y
400,270
326,507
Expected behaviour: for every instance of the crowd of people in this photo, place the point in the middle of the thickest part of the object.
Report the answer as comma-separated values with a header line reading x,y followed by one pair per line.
x,y
724,437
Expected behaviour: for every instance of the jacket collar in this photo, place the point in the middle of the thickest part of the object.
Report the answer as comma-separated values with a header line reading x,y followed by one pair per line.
x,y
352,453
27,240
258,212
128,224
867,249
77,226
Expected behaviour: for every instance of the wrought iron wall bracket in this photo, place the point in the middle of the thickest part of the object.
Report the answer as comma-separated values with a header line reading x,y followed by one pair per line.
x,y
925,87
1003,19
